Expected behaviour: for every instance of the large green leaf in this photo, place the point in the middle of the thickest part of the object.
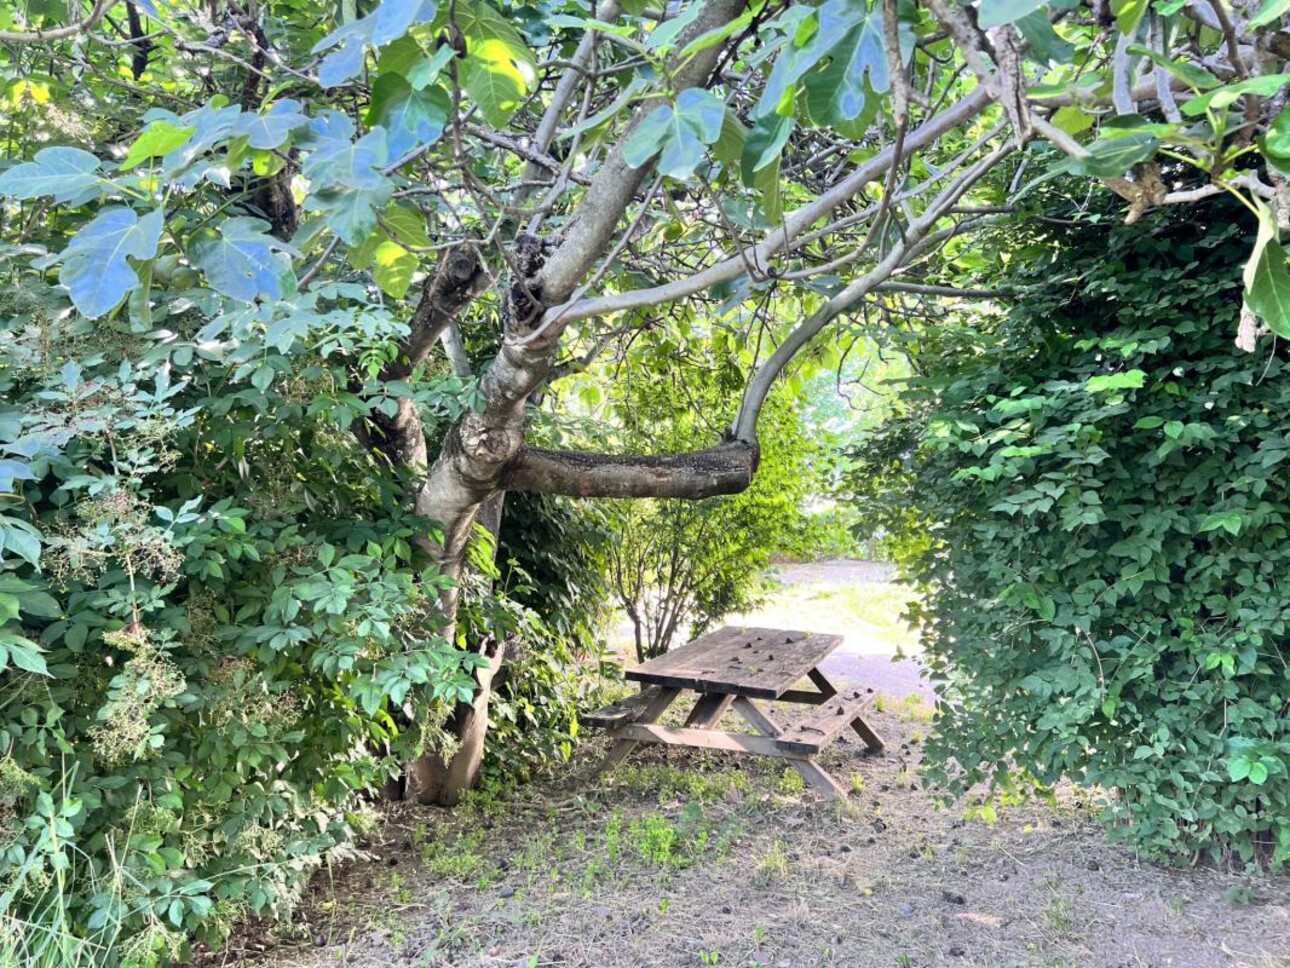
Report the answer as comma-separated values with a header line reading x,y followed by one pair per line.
x,y
1128,13
96,268
388,22
393,267
1267,278
410,117
271,128
500,70
992,13
835,95
835,21
64,173
347,184
1110,157
677,134
1276,142
1225,96
764,143
1269,11
158,138
243,261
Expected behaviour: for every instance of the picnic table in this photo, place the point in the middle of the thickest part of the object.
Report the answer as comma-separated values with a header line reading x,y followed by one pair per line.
x,y
739,669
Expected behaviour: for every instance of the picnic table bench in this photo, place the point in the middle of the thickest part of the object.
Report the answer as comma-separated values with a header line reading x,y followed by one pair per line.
x,y
735,668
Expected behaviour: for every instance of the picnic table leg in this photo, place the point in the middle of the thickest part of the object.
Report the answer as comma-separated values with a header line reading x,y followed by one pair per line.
x,y
872,741
657,707
811,772
708,711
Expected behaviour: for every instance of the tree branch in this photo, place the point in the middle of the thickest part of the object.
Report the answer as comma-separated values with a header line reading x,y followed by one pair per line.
x,y
778,239
724,469
58,33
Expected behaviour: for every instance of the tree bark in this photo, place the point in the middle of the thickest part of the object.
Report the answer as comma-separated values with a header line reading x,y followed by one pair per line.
x,y
724,469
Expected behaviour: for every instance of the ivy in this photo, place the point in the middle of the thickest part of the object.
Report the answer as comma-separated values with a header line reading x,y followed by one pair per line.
x,y
1099,530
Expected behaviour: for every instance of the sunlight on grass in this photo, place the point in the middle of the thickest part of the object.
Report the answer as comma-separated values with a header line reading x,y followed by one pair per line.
x,y
867,612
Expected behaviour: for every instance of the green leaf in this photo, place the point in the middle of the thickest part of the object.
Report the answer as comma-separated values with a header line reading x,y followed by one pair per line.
x,y
765,143
1225,96
1195,77
837,94
1129,379
1043,44
677,134
348,186
392,268
500,70
1267,279
1228,521
64,173
1128,13
272,128
388,22
1238,769
992,13
155,140
411,118
1275,142
406,224
1268,12
1110,157
244,262
1258,773
96,270
24,653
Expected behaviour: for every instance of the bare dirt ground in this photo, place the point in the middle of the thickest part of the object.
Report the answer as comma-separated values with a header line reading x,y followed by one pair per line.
x,y
698,858
683,858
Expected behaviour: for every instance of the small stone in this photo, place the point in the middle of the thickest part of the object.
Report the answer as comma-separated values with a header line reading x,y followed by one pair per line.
x,y
506,891
906,909
1094,865
949,897
601,912
957,951
319,941
725,909
844,849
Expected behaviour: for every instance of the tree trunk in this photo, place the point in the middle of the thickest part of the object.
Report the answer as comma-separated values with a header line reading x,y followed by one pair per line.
x,y
434,780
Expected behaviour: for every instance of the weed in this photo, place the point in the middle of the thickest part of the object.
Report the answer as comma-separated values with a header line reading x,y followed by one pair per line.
x,y
773,864
790,782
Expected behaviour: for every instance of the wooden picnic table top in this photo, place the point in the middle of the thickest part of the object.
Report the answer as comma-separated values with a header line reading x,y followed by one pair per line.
x,y
739,661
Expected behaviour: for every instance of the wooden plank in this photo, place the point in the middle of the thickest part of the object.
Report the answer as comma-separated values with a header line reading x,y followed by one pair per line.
x,y
804,697
707,712
656,708
824,725
625,710
758,719
758,662
710,739
870,737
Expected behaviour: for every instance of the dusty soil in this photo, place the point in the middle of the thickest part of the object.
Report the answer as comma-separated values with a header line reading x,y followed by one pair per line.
x,y
683,858
692,858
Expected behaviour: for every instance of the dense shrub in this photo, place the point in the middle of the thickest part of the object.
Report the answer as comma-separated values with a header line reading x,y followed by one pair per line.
x,y
1091,497
214,618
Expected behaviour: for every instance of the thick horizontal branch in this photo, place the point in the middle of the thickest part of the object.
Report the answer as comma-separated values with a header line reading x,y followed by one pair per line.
x,y
725,469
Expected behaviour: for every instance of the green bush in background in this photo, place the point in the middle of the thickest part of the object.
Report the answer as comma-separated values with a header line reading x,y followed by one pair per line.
x,y
1091,497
